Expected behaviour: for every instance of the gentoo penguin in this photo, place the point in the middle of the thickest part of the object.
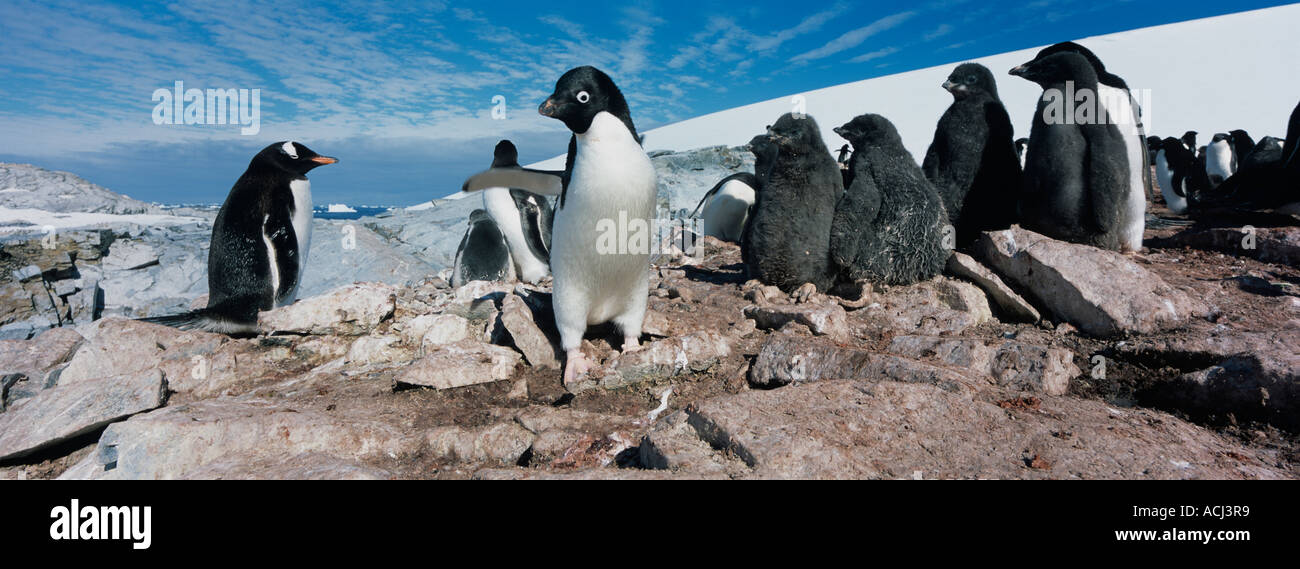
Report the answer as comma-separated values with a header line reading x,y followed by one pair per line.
x,y
726,207
1173,163
1077,183
523,217
1022,148
786,240
972,162
260,241
600,253
1219,161
1126,115
889,226
483,254
1189,140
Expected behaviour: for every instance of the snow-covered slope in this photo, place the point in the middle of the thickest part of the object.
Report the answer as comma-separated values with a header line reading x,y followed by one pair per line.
x,y
1234,71
23,186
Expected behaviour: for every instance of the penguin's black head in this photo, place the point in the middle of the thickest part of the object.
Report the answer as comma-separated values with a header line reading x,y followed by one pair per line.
x,y
505,155
1221,136
1154,143
1176,154
797,133
480,216
765,152
869,130
1240,135
291,156
1058,68
970,78
1095,62
581,94
1189,138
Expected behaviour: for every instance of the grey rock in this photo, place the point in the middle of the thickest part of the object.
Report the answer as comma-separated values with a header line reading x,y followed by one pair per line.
x,y
822,319
664,359
352,310
1009,364
1010,305
49,190
467,362
528,337
1101,292
500,444
63,412
791,359
181,440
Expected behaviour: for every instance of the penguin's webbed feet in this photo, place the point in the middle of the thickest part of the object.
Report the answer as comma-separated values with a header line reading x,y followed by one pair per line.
x,y
576,366
804,293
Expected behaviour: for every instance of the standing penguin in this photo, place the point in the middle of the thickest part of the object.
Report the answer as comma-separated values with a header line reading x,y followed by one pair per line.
x,y
1220,163
889,226
786,240
600,253
727,206
483,254
1242,145
260,241
1112,94
523,217
1077,182
1189,140
972,162
1173,164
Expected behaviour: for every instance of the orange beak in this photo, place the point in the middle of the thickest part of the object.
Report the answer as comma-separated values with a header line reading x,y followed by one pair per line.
x,y
324,160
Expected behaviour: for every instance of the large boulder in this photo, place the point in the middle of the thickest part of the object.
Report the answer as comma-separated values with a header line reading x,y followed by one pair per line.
x,y
1101,292
67,411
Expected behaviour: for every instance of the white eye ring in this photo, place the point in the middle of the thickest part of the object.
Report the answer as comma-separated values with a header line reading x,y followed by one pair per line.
x,y
583,97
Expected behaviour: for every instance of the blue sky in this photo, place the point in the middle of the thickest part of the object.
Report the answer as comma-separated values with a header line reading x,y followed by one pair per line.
x,y
403,93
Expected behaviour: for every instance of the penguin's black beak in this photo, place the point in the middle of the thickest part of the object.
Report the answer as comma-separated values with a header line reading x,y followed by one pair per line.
x,y
1019,70
325,160
548,108
948,85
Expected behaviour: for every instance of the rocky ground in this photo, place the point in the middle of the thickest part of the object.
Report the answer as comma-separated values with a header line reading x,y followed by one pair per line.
x,y
1032,359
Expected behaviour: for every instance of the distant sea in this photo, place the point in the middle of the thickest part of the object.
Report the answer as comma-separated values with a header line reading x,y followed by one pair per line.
x,y
318,212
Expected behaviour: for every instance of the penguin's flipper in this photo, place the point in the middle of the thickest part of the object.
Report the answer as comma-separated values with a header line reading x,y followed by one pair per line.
x,y
284,245
541,182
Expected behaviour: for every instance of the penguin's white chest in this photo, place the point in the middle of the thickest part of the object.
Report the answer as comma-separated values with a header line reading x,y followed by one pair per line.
x,y
1175,202
1121,111
502,208
603,231
1218,161
301,220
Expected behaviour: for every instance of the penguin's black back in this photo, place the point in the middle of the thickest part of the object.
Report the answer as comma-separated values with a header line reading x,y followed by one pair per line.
x,y
483,254
238,261
889,226
974,166
785,243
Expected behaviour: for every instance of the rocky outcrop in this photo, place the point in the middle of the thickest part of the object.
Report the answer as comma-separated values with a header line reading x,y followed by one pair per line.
x,y
66,411
23,186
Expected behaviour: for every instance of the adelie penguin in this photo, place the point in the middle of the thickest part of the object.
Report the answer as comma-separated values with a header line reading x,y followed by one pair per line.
x,y
1113,95
1268,179
260,240
1174,163
1220,161
1077,179
889,227
483,254
608,186
523,217
726,207
972,161
786,241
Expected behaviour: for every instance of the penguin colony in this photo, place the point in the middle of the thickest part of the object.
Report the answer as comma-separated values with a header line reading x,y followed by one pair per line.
x,y
807,219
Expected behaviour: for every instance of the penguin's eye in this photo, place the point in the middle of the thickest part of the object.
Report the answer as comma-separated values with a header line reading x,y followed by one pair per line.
x,y
583,97
970,79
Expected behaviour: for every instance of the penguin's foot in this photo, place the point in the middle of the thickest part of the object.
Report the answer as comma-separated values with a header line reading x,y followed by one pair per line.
x,y
804,293
631,345
576,366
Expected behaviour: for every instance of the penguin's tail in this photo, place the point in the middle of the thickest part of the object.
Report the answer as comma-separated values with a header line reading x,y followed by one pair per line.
x,y
206,320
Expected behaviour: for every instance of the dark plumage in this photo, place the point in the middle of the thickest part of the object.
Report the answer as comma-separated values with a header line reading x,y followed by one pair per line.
x,y
972,161
786,239
889,226
1077,175
483,254
1242,144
